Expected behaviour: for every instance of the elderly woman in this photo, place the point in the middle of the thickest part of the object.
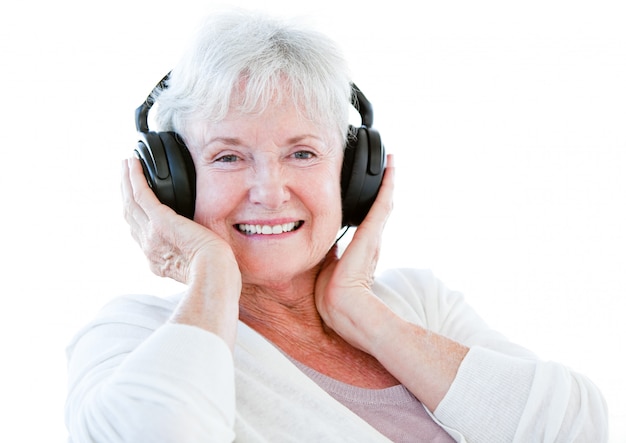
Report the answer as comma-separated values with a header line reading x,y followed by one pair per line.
x,y
277,337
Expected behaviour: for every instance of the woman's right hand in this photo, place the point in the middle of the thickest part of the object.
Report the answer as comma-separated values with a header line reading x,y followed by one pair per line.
x,y
185,251
175,246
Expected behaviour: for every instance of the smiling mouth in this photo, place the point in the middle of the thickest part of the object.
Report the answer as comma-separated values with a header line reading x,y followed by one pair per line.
x,y
267,229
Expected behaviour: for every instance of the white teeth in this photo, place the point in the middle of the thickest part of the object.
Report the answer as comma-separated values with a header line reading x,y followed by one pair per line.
x,y
267,229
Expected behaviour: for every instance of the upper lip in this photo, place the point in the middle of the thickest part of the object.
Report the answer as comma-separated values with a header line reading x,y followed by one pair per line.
x,y
272,222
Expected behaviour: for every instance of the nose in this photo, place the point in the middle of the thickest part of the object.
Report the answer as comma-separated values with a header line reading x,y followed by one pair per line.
x,y
269,187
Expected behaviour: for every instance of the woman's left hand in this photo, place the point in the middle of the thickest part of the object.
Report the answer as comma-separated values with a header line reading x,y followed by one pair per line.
x,y
427,362
342,294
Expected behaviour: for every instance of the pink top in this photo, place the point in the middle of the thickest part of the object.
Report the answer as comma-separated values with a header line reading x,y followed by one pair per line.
x,y
394,411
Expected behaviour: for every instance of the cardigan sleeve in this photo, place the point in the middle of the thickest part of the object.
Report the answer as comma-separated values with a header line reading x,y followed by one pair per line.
x,y
502,392
134,377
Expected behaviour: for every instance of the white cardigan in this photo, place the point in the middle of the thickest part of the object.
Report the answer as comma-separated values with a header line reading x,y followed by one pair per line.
x,y
133,377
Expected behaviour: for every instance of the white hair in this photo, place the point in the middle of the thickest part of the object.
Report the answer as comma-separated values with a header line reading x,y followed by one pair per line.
x,y
242,61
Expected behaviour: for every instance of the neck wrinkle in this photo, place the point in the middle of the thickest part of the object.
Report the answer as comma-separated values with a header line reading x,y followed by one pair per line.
x,y
285,317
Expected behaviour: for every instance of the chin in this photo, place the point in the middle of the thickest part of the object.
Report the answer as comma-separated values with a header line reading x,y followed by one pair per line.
x,y
281,270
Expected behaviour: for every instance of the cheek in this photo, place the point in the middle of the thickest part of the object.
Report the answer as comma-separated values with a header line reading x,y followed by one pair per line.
x,y
214,201
325,198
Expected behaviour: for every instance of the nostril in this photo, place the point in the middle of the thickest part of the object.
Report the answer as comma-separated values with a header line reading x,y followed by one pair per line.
x,y
270,195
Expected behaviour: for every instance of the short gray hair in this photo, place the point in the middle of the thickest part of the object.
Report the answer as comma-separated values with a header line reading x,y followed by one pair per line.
x,y
243,61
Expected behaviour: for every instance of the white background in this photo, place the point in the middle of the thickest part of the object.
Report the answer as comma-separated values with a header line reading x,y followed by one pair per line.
x,y
508,122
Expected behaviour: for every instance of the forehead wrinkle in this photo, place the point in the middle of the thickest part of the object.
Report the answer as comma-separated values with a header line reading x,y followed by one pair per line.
x,y
228,141
199,134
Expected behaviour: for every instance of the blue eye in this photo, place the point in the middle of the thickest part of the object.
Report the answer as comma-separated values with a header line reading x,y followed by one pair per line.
x,y
230,158
304,155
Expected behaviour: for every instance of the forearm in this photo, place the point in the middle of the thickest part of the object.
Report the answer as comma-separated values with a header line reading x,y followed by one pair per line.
x,y
212,304
426,363
498,397
491,396
501,391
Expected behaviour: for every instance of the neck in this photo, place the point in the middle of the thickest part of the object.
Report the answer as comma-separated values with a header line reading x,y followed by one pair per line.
x,y
284,313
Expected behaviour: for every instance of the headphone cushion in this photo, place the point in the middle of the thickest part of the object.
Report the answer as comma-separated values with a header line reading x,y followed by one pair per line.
x,y
182,172
169,169
362,173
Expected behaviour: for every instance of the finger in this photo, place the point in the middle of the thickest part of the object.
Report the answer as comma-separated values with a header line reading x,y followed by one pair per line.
x,y
133,212
361,255
380,210
141,191
368,235
331,258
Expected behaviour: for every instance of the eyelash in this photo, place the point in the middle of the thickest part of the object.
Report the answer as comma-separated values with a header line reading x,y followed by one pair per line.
x,y
297,155
228,158
303,155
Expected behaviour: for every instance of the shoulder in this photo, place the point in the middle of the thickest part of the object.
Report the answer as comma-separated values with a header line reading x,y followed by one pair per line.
x,y
420,297
420,281
141,309
135,315
409,292
418,287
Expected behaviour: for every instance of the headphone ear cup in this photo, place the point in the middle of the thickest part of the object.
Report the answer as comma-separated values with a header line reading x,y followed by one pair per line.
x,y
362,173
169,170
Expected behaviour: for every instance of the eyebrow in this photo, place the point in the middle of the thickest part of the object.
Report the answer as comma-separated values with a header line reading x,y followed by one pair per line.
x,y
234,141
299,138
230,141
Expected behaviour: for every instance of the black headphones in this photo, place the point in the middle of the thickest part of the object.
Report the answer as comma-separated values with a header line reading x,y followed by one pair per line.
x,y
170,172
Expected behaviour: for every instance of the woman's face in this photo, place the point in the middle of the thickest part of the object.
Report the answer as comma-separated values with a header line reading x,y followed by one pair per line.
x,y
269,184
